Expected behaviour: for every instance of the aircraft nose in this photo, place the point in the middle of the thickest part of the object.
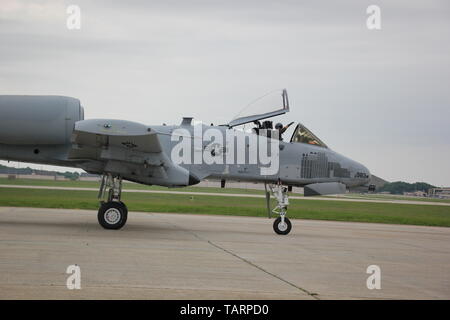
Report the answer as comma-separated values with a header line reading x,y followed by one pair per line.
x,y
193,179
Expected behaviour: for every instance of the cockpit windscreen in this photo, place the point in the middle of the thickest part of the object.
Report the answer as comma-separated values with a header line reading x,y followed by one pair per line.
x,y
303,135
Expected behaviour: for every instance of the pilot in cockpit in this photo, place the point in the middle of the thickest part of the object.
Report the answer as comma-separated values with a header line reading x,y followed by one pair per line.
x,y
267,125
281,129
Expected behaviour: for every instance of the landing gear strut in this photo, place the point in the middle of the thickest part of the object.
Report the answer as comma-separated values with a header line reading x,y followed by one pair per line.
x,y
113,213
281,225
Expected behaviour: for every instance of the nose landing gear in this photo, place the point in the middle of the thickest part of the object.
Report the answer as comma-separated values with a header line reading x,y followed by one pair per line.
x,y
112,213
282,225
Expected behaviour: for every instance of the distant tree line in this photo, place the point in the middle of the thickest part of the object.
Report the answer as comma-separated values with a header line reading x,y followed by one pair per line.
x,y
70,175
28,171
399,187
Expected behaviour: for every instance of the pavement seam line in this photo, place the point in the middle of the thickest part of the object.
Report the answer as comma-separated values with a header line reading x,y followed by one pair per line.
x,y
264,270
313,295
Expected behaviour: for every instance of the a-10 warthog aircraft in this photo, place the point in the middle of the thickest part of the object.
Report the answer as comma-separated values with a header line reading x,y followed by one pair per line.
x,y
52,130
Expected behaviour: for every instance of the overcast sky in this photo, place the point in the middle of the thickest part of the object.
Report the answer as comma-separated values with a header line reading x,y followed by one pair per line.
x,y
381,97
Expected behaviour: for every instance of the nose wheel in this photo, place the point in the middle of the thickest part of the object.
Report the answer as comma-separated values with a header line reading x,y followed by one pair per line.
x,y
112,213
282,227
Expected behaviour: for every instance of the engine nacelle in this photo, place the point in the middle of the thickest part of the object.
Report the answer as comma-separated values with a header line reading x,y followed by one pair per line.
x,y
38,120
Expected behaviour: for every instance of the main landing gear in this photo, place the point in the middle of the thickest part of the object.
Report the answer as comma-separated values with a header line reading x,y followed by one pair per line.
x,y
113,213
282,225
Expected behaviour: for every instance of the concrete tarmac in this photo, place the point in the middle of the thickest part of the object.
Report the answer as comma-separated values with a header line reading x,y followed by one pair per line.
x,y
184,256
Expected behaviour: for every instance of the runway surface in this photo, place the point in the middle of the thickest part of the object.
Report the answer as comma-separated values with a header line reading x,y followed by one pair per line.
x,y
329,198
183,256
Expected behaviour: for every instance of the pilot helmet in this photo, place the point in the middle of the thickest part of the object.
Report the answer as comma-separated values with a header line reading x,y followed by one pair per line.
x,y
278,126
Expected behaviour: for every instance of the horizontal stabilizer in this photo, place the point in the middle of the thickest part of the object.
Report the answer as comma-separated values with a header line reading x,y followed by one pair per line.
x,y
321,189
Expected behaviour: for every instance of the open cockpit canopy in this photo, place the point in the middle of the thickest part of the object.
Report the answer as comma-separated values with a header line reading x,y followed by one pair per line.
x,y
303,135
272,104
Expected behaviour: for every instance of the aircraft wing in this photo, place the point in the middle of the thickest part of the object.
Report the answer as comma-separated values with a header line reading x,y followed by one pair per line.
x,y
125,148
101,139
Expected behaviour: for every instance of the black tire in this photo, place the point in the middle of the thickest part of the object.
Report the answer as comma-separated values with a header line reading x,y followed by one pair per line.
x,y
280,229
124,208
112,215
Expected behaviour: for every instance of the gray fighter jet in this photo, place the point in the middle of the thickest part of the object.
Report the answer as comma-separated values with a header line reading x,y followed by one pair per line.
x,y
52,130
